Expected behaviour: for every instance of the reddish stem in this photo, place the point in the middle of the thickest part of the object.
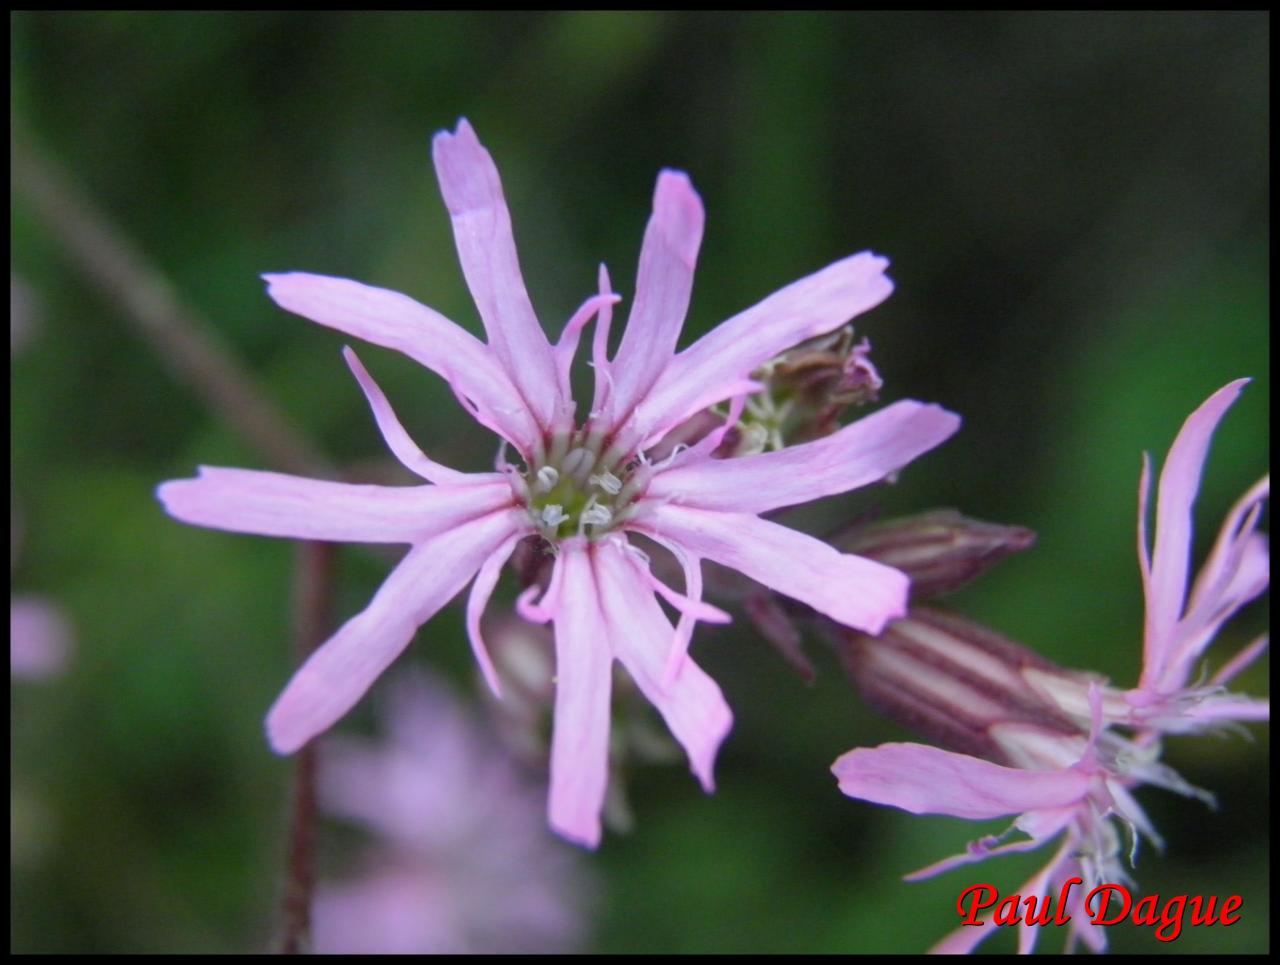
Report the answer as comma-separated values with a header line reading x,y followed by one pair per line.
x,y
315,571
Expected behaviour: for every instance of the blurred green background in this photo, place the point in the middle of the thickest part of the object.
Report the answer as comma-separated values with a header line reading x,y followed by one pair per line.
x,y
1076,207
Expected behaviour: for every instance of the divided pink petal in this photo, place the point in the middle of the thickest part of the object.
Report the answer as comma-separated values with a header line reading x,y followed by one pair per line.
x,y
664,282
481,591
1248,576
926,780
275,504
1240,556
600,346
1179,484
642,640
397,439
1222,708
857,592
580,732
1144,544
962,941
398,322
338,674
861,453
487,249
567,347
966,938
1242,660
690,612
1237,571
715,367
974,855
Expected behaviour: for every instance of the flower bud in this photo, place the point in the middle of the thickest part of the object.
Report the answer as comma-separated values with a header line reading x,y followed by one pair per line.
x,y
810,385
940,550
828,370
960,685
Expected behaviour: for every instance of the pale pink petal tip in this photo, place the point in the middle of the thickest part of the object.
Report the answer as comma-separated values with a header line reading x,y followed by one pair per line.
x,y
703,761
678,209
465,169
585,832
282,737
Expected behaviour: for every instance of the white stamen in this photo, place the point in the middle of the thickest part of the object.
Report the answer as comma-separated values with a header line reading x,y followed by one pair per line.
x,y
608,482
553,514
597,515
547,479
678,448
577,464
754,438
500,460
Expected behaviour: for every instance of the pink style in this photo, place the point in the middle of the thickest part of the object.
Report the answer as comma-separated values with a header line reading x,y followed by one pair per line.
x,y
583,483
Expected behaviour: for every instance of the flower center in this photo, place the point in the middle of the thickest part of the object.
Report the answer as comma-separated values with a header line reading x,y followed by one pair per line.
x,y
578,494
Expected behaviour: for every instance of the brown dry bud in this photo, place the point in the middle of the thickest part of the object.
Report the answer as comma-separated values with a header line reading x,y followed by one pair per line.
x,y
940,550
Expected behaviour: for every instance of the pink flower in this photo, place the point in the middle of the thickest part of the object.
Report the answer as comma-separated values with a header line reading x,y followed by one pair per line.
x,y
1065,785
584,483
39,638
1238,570
1178,627
1074,779
40,634
463,861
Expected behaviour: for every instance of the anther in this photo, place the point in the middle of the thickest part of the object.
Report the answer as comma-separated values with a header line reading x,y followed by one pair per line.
x,y
553,514
607,481
577,464
547,479
597,515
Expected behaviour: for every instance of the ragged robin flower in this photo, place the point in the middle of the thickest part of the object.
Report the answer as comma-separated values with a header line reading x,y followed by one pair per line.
x,y
582,481
1059,751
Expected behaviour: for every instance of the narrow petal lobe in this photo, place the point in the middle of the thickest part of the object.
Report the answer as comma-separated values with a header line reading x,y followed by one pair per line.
x,y
275,504
861,453
346,665
487,249
664,283
398,322
716,366
643,638
857,592
580,734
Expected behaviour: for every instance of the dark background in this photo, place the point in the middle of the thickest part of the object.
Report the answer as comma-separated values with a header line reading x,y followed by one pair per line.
x,y
1077,211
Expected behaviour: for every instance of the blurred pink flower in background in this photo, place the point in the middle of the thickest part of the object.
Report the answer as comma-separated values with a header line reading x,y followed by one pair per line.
x,y
1072,771
585,486
463,861
39,638
39,634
